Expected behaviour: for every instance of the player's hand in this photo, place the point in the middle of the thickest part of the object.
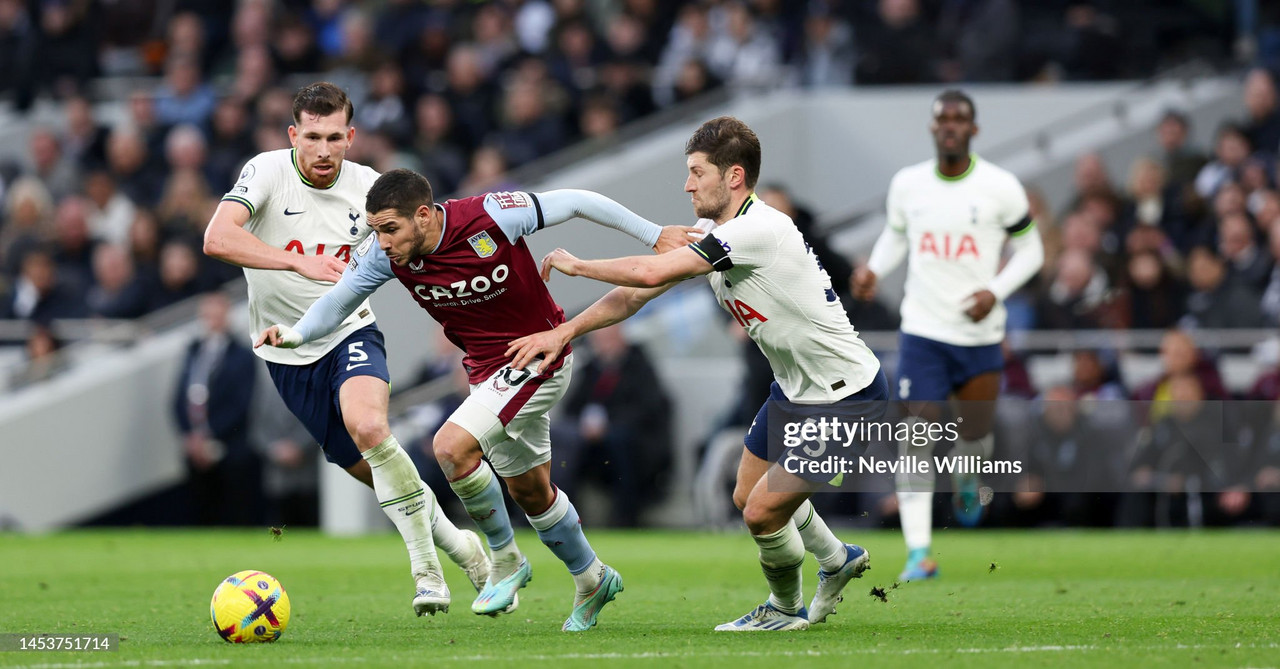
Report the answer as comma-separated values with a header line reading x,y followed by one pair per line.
x,y
980,304
559,259
279,336
676,236
321,268
548,344
863,284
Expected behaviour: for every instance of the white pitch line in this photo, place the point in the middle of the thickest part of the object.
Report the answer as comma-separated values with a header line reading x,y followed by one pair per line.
x,y
650,655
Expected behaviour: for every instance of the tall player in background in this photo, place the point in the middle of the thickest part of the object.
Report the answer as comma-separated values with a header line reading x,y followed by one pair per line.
x,y
764,273
950,217
291,221
466,262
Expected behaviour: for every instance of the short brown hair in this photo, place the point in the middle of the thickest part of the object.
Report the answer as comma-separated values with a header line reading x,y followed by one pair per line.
x,y
400,190
322,99
728,142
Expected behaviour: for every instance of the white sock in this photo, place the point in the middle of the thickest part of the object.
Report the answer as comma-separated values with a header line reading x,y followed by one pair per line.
x,y
781,556
818,538
406,501
447,536
915,490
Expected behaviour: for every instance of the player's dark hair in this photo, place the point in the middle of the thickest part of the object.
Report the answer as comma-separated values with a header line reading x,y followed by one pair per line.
x,y
402,190
728,142
956,95
322,99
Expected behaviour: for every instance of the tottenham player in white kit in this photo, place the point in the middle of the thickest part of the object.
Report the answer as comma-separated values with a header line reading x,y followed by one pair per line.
x,y
291,221
765,275
950,217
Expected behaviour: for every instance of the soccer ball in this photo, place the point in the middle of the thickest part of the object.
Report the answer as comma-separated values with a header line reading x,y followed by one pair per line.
x,y
249,607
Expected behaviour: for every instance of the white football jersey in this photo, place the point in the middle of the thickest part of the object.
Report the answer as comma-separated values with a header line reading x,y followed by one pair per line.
x,y
286,212
773,285
956,228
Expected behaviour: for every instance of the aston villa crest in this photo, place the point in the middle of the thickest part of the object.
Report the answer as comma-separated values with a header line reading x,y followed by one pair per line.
x,y
483,244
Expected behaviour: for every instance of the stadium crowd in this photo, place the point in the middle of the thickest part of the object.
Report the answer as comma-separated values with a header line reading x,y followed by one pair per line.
x,y
105,221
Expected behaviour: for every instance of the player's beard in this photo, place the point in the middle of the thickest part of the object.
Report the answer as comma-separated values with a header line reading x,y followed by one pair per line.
x,y
713,207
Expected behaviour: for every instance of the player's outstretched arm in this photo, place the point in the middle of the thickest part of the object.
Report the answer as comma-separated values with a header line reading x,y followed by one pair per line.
x,y
633,271
324,315
228,241
617,305
562,205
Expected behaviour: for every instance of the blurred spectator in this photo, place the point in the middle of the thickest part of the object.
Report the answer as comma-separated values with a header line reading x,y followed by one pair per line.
x,y
1231,149
528,129
1067,455
1156,297
186,204
19,50
1262,124
40,294
59,173
1094,379
827,54
187,38
1152,201
179,275
230,143
443,162
689,42
1247,263
184,97
125,28
211,407
117,291
624,427
743,55
384,109
1079,296
72,246
1181,162
598,121
84,142
626,83
67,52
128,161
984,36
1087,43
471,95
255,72
291,472
488,173
28,210
144,245
1179,356
694,80
1214,301
492,34
294,47
899,48
1170,460
111,212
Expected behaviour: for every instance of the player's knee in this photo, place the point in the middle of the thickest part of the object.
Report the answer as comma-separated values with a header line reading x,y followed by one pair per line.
x,y
368,431
759,519
454,454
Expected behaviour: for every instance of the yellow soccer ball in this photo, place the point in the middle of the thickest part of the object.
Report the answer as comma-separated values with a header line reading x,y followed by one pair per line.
x,y
250,607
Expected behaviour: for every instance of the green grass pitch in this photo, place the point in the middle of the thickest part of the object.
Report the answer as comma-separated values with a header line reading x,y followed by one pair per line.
x,y
1005,599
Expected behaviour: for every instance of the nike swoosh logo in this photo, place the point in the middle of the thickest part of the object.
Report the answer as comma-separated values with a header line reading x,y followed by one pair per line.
x,y
293,213
410,513
363,364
